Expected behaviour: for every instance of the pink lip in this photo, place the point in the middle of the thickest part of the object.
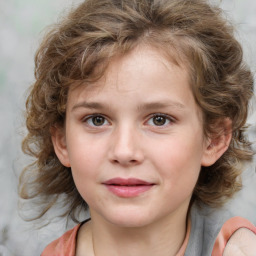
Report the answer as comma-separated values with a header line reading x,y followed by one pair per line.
x,y
127,187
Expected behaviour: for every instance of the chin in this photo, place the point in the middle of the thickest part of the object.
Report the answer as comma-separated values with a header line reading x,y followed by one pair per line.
x,y
126,219
128,223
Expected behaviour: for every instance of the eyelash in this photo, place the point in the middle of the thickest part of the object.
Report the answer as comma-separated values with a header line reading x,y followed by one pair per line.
x,y
90,117
165,116
161,115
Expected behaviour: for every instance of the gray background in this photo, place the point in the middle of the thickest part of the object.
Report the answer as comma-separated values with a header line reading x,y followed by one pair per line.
x,y
21,25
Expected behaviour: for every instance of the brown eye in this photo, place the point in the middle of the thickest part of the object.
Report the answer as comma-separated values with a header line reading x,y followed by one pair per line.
x,y
98,120
159,120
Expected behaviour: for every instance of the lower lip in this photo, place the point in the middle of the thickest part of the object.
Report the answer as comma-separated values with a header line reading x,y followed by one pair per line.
x,y
128,191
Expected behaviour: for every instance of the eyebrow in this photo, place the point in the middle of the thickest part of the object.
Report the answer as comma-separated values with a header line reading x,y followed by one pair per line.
x,y
142,107
161,105
90,105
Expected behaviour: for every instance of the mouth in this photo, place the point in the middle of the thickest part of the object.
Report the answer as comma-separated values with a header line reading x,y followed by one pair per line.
x,y
126,188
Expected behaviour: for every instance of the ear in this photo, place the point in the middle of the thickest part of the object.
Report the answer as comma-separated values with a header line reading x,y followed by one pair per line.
x,y
217,143
60,146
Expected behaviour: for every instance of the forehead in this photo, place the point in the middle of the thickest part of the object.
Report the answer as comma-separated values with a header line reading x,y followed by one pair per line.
x,y
142,77
147,61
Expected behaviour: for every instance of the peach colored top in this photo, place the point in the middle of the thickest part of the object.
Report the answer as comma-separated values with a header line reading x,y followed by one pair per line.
x,y
66,245
182,250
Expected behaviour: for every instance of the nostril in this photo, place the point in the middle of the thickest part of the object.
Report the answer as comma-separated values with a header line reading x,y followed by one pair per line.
x,y
124,155
122,162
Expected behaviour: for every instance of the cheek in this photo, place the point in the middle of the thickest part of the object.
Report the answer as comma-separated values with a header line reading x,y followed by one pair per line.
x,y
84,171
87,156
179,162
84,163
85,153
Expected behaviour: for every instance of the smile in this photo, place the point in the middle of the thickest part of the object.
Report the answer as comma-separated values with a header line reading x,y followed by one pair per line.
x,y
127,187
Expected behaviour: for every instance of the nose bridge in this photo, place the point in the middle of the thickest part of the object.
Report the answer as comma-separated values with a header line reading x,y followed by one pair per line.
x,y
126,145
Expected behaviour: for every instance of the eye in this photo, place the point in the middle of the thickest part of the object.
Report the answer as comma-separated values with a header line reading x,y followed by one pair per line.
x,y
160,120
96,120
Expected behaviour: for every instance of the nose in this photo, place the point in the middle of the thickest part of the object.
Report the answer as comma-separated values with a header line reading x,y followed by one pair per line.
x,y
126,147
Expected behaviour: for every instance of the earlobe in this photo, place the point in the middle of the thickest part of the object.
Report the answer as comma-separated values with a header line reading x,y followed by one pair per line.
x,y
218,143
59,143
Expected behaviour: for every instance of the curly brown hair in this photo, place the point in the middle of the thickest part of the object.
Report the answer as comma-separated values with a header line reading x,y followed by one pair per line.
x,y
78,50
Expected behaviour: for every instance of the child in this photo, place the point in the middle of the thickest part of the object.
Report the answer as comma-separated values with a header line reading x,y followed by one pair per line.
x,y
138,111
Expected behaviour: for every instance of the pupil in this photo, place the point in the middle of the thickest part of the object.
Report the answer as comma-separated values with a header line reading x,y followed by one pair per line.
x,y
159,120
98,120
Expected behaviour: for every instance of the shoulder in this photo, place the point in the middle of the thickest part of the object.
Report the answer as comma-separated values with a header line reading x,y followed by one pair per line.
x,y
241,243
237,237
65,245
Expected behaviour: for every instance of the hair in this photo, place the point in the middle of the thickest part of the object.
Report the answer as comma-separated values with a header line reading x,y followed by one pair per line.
x,y
77,51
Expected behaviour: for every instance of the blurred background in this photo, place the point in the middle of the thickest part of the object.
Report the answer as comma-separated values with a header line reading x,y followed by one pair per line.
x,y
21,26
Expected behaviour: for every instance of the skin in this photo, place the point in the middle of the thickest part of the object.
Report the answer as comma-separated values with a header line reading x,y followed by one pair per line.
x,y
138,90
241,243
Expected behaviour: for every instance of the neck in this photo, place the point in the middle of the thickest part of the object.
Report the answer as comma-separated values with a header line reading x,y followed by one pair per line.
x,y
164,237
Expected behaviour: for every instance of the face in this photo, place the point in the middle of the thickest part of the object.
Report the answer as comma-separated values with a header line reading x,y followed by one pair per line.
x,y
134,140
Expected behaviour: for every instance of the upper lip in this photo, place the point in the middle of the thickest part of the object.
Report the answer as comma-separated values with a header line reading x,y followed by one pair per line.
x,y
127,182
